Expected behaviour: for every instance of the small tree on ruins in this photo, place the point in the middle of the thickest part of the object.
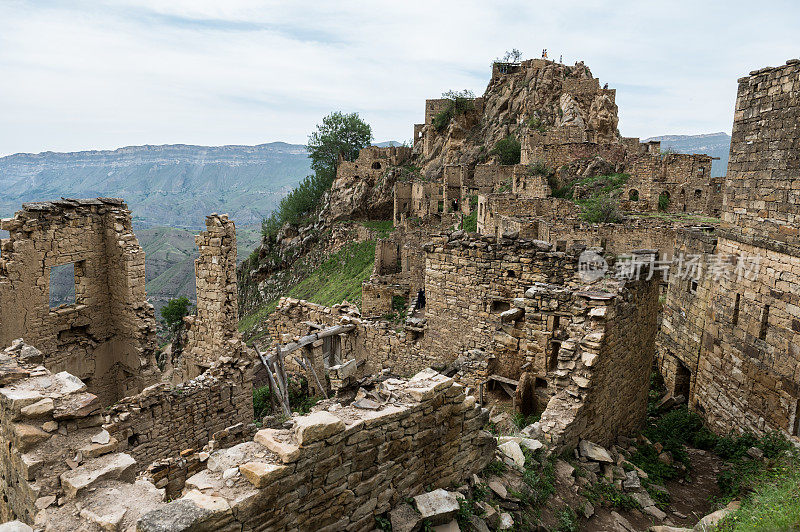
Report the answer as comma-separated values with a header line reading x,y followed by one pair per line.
x,y
460,102
339,135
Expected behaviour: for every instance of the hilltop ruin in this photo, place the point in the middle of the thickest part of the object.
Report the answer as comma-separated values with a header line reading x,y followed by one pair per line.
x,y
493,288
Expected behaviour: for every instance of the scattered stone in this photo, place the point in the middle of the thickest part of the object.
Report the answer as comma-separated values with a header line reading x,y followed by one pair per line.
x,y
404,518
15,526
654,512
564,472
438,505
116,466
102,438
631,481
38,409
506,521
512,450
452,526
109,521
594,452
44,502
50,426
755,453
711,520
499,489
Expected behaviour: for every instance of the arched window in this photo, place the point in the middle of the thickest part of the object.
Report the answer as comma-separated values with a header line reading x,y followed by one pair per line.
x,y
633,195
698,193
376,165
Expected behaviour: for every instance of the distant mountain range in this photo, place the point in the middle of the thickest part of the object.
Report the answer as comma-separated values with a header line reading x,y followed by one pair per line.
x,y
713,144
173,185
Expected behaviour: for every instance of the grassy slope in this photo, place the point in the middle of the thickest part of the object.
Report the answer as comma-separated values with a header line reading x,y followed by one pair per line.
x,y
336,279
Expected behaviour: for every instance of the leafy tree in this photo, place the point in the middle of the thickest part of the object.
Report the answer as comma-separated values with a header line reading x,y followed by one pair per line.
x,y
339,134
508,150
175,310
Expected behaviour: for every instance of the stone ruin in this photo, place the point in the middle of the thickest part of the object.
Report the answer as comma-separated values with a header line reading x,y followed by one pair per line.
x,y
729,343
107,337
108,447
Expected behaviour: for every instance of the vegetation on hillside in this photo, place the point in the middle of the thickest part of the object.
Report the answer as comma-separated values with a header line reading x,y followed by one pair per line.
x,y
596,195
338,278
508,150
339,135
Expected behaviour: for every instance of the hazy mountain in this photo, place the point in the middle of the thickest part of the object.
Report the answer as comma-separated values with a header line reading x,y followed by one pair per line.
x,y
169,185
713,144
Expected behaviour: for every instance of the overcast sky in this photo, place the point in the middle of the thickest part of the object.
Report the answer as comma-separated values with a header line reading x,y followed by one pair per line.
x,y
78,75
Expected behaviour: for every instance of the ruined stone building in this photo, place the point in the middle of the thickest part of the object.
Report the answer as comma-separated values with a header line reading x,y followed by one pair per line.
x,y
729,340
107,336
120,449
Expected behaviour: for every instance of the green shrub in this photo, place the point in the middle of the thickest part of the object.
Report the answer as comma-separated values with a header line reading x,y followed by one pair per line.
x,y
175,310
460,102
601,210
495,468
261,402
539,168
567,520
508,150
469,223
663,202
605,494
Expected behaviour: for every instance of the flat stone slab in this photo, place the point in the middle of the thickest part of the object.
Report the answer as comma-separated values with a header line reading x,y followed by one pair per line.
x,y
513,451
438,505
404,518
260,474
114,466
317,426
279,442
15,526
592,451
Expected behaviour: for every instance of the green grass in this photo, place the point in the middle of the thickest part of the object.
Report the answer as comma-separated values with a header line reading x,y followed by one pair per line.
x,y
383,227
336,279
469,223
773,506
605,494
339,277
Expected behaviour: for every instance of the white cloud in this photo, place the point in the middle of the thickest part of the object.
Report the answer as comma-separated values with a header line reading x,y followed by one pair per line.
x,y
81,75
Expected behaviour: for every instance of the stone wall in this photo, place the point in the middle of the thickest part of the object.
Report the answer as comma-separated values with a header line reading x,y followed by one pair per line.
x,y
47,422
470,281
337,469
744,368
213,331
762,195
685,179
598,363
107,337
166,419
491,206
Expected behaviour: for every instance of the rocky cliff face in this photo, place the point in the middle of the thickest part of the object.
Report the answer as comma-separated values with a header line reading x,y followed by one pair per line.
x,y
538,96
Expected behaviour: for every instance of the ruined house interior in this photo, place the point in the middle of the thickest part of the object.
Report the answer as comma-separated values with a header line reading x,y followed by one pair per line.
x,y
98,435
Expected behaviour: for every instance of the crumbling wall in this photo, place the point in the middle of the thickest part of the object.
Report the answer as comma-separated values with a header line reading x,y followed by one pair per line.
x,y
374,345
491,206
213,332
469,282
597,363
166,419
47,423
684,179
338,469
107,337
